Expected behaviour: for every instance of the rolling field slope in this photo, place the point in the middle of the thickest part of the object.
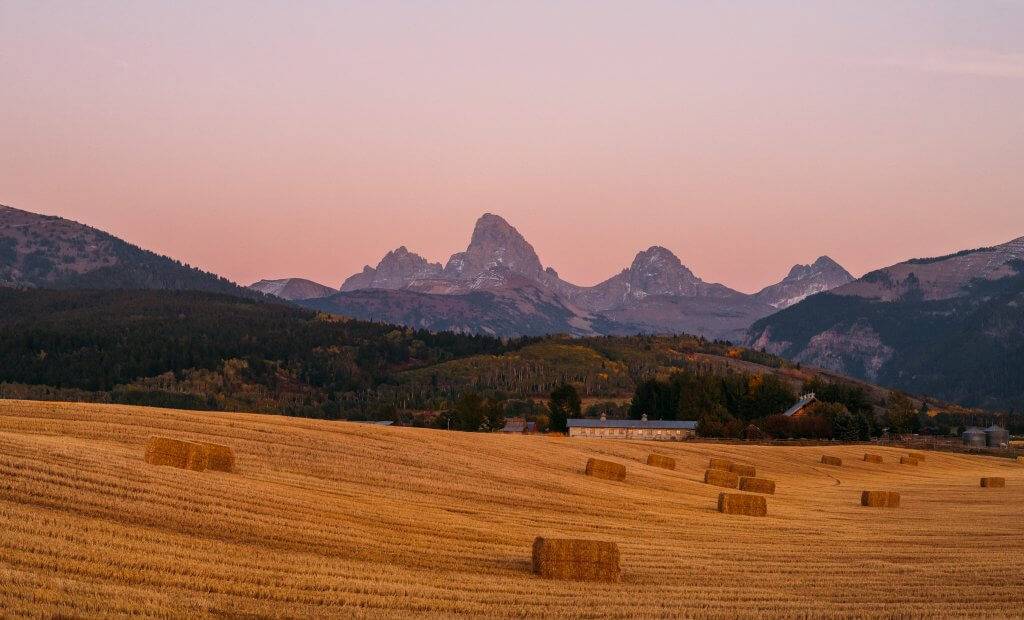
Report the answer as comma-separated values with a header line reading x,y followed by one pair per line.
x,y
329,518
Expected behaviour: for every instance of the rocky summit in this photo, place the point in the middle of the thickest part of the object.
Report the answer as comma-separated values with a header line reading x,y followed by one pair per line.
x,y
803,281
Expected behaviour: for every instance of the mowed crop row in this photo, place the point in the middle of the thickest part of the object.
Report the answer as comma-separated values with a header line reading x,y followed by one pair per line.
x,y
329,518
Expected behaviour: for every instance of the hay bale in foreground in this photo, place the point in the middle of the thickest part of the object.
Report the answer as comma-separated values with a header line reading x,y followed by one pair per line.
x,y
662,461
723,464
721,478
757,485
575,559
880,499
831,460
740,504
993,483
221,458
743,470
919,457
177,453
873,458
908,460
606,470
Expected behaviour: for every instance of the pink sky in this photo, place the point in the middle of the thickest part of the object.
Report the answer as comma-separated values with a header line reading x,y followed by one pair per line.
x,y
262,139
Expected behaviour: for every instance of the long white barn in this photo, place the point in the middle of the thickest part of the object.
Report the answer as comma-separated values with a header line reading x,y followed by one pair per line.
x,y
657,430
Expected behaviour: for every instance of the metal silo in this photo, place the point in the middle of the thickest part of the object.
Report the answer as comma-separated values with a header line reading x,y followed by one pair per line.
x,y
974,437
996,436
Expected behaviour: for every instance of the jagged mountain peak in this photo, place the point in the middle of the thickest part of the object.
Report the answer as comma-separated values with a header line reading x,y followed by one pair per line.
x,y
824,274
823,264
658,259
494,242
658,271
399,269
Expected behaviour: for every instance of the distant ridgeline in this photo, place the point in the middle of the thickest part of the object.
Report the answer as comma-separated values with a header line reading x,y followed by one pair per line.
x,y
200,350
966,348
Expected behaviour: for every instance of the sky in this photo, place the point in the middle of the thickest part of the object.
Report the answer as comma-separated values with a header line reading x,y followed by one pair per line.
x,y
265,139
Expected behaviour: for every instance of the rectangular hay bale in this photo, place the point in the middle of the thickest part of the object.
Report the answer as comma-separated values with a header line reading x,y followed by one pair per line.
x,y
576,559
221,458
757,485
660,460
721,478
873,458
723,464
831,460
880,499
177,453
606,470
743,470
993,483
742,504
917,456
908,460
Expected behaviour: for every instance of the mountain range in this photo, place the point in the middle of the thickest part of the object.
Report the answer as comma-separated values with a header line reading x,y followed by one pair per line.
x,y
952,326
499,286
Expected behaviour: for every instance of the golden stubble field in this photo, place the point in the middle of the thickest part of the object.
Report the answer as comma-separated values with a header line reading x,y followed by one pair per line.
x,y
339,519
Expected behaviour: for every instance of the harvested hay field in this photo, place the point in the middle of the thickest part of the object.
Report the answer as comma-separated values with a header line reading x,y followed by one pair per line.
x,y
336,519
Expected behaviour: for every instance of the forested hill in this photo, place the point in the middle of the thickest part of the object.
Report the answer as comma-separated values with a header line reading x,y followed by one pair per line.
x,y
40,251
203,350
966,348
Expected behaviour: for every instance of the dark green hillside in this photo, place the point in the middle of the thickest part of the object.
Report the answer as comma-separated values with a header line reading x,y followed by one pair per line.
x,y
208,351
242,351
968,349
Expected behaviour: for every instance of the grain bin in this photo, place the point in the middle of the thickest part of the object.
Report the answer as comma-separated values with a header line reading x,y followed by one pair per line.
x,y
996,436
974,437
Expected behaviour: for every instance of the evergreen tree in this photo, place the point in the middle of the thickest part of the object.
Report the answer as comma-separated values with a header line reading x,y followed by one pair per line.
x,y
901,415
470,411
564,404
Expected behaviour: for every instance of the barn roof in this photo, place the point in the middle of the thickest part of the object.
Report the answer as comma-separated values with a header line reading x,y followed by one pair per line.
x,y
805,400
657,424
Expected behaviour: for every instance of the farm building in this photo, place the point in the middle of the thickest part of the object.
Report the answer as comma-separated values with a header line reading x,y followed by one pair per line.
x,y
996,436
518,425
658,430
800,408
974,437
